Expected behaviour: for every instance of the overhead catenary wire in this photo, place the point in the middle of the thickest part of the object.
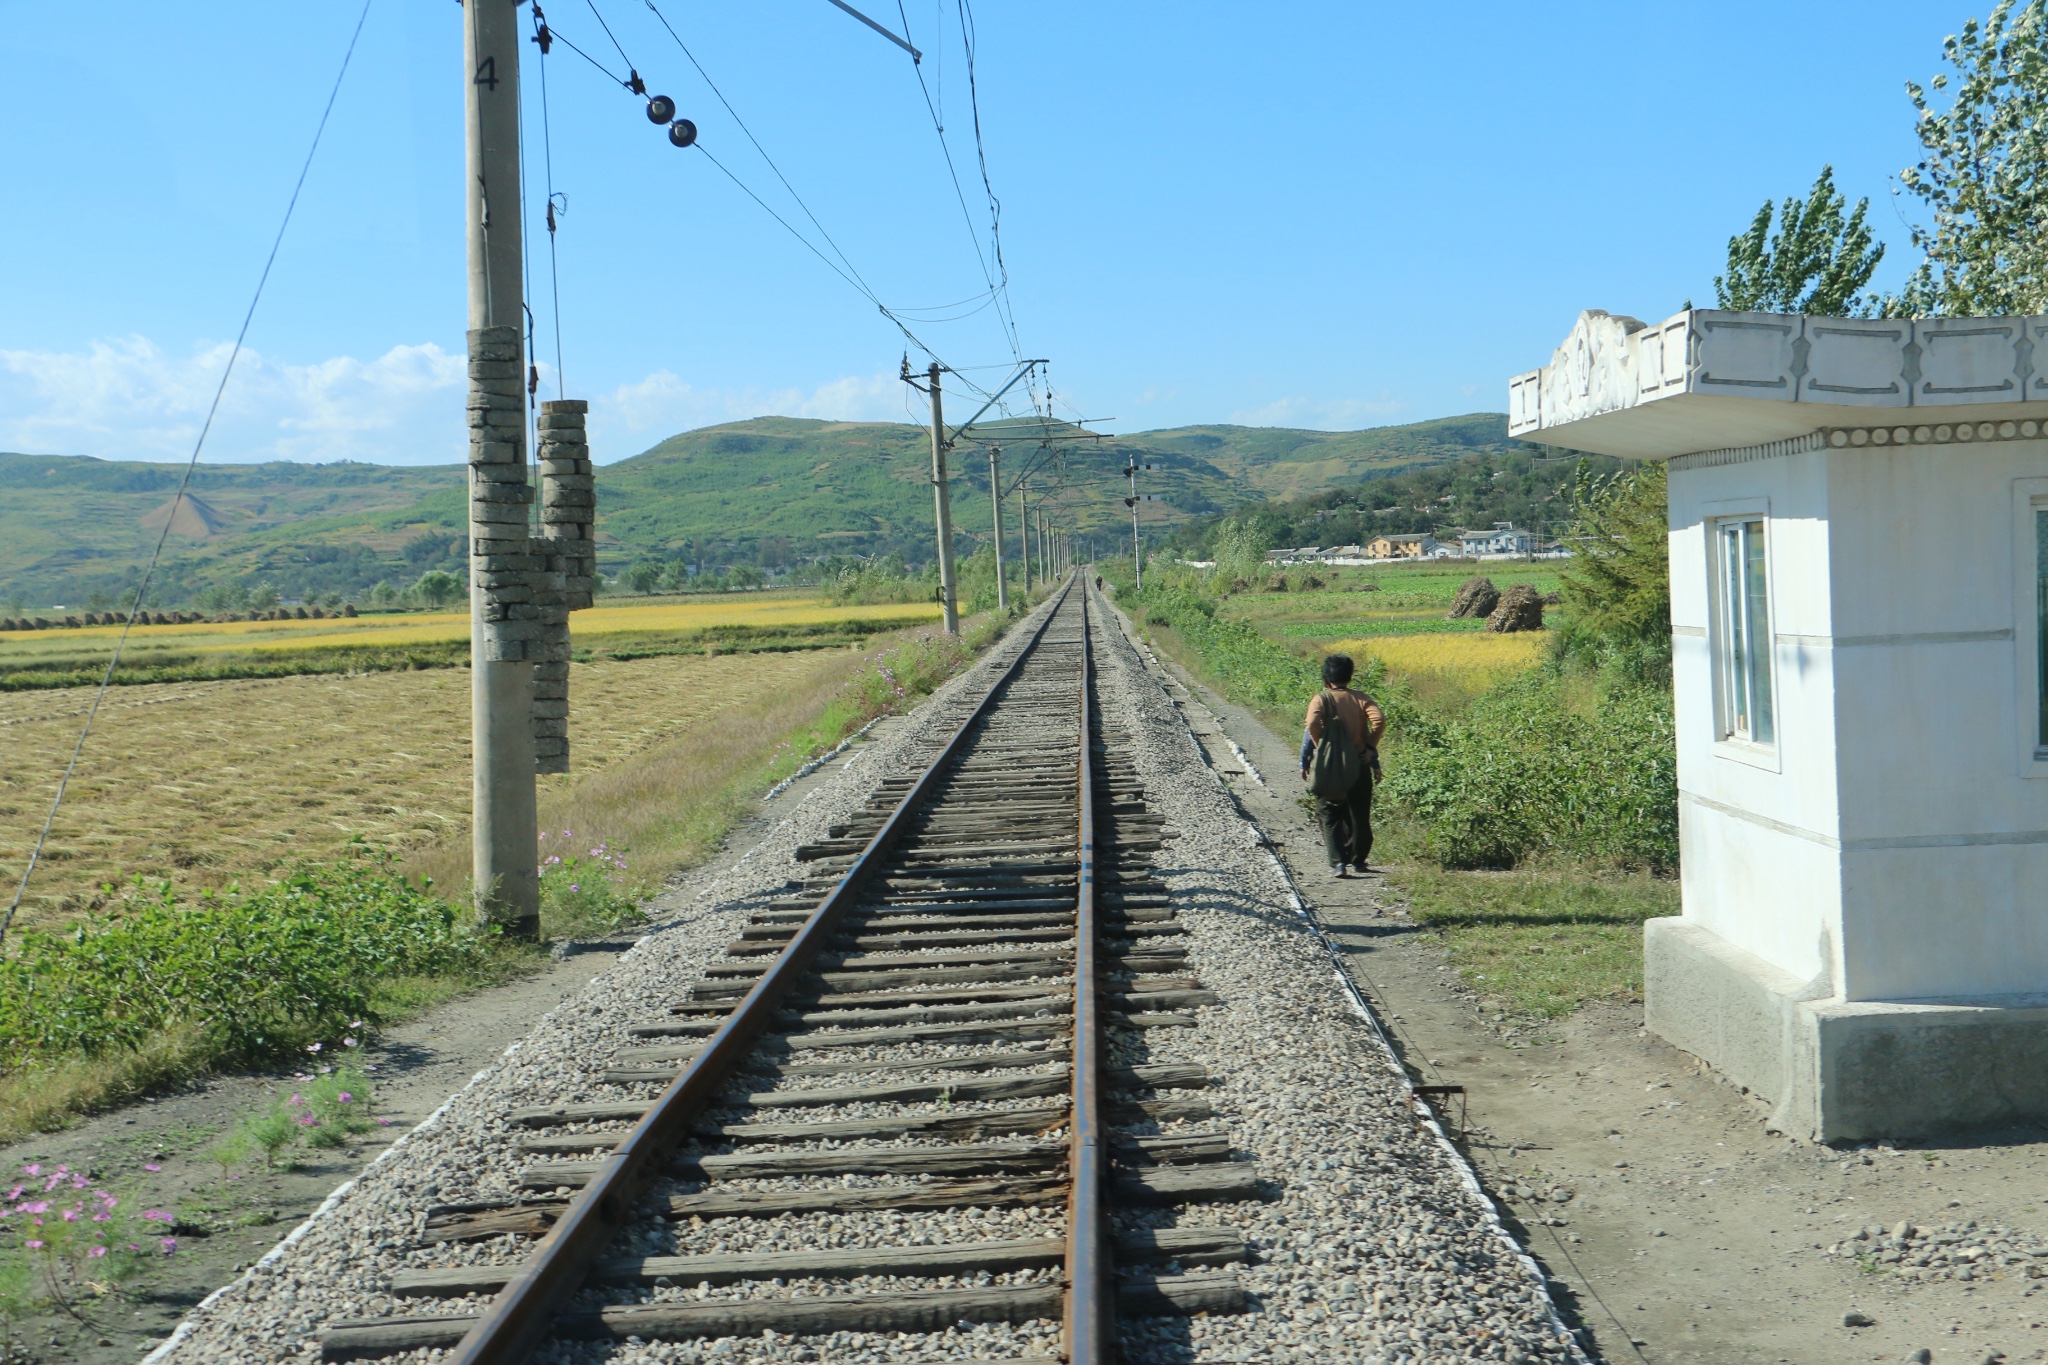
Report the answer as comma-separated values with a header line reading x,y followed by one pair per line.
x,y
835,258
988,275
184,482
543,39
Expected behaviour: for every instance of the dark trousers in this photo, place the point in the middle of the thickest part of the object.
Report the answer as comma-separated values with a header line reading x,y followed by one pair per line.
x,y
1347,824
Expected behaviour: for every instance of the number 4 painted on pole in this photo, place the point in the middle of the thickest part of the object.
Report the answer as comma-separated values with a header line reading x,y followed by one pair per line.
x,y
487,73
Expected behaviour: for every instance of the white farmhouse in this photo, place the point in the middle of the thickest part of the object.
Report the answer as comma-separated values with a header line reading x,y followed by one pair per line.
x,y
1503,539
1862,728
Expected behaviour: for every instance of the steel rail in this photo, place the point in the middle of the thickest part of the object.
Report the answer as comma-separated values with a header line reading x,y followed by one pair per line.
x,y
520,1318
1090,1321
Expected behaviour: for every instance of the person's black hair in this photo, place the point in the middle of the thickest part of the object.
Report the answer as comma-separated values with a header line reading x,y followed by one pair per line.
x,y
1337,670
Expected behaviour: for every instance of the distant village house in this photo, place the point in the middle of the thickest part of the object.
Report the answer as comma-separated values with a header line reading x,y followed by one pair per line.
x,y
1421,545
1503,539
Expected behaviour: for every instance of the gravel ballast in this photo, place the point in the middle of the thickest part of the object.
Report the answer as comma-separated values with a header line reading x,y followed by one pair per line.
x,y
1373,1245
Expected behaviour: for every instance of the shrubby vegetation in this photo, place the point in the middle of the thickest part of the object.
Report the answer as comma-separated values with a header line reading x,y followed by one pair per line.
x,y
242,975
1541,766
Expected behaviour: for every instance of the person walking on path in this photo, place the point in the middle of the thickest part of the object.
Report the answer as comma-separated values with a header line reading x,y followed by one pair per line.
x,y
1343,809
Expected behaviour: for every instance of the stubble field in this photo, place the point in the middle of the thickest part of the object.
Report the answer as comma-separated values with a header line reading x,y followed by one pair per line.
x,y
204,783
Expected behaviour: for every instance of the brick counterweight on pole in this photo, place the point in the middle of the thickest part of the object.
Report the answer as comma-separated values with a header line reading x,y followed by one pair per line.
x,y
505,629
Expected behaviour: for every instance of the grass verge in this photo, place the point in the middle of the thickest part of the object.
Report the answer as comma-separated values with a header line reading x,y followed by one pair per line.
x,y
1540,938
669,808
159,990
1539,941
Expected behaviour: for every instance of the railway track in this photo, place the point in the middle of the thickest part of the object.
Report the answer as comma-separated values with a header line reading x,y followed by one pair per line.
x,y
948,1015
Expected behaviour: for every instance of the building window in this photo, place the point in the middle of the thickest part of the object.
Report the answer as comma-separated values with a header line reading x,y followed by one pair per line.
x,y
1744,643
2041,628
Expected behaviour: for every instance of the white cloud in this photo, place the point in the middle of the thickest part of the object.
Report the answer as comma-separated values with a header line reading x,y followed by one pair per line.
x,y
126,399
1320,414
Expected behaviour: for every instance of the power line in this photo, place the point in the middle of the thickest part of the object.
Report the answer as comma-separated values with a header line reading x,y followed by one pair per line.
x,y
543,39
843,265
720,94
959,192
177,501
995,205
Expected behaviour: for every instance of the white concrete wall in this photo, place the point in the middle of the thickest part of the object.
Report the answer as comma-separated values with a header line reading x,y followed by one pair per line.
x,y
1756,823
1893,843
1942,820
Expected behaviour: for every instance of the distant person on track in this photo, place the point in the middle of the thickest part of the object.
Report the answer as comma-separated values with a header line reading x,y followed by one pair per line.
x,y
1340,758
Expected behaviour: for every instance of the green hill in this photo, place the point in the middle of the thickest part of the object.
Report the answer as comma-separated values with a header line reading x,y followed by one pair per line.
x,y
774,490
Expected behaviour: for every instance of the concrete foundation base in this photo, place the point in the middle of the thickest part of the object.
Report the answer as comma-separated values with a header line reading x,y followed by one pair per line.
x,y
1839,1071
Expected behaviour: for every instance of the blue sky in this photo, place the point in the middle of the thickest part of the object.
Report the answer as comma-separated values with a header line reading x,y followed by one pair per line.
x,y
1327,215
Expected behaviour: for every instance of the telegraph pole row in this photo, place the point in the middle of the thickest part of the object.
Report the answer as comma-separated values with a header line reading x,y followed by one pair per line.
x,y
995,497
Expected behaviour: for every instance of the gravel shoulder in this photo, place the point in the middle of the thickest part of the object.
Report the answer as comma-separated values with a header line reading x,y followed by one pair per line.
x,y
1688,1232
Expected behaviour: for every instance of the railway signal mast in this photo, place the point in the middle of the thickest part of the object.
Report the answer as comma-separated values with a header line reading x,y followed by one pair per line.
x,y
1131,472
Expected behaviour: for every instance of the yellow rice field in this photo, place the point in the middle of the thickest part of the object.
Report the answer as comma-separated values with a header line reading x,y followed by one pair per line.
x,y
1479,659
440,627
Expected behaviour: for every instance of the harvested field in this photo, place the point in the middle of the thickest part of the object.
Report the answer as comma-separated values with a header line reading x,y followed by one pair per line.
x,y
202,783
90,644
1476,659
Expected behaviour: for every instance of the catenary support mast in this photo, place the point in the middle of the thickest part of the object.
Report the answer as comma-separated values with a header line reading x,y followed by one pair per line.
x,y
1024,528
995,497
942,502
504,631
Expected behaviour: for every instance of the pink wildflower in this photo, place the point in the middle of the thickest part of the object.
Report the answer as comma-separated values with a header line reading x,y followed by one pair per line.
x,y
71,1215
169,1244
33,1245
97,1251
156,1215
151,1166
344,1097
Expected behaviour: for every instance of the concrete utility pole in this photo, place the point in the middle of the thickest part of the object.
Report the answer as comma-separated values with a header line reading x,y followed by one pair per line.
x,y
502,618
943,503
995,497
1024,528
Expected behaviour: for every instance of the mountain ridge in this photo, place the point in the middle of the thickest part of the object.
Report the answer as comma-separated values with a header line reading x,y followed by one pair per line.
x,y
768,490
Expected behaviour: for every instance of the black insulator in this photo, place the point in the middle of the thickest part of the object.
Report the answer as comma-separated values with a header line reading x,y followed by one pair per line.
x,y
634,83
661,109
682,132
544,37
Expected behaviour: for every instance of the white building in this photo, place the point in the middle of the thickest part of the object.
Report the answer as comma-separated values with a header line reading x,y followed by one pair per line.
x,y
1859,574
1502,540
